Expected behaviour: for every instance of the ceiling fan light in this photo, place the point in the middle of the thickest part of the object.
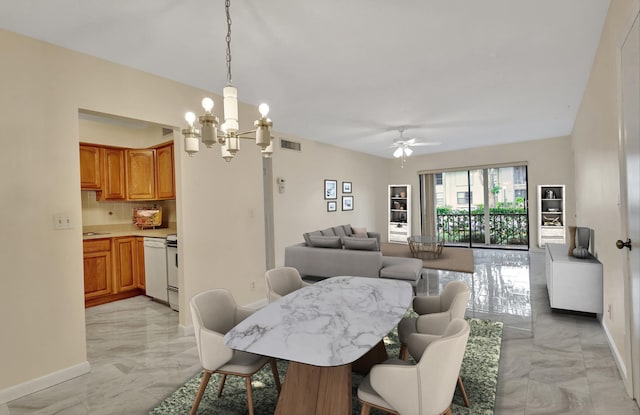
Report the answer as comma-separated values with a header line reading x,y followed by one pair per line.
x,y
408,151
398,152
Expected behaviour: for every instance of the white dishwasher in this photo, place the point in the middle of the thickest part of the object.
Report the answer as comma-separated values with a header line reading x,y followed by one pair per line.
x,y
155,268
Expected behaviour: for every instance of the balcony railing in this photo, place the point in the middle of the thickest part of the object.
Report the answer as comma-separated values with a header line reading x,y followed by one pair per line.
x,y
504,228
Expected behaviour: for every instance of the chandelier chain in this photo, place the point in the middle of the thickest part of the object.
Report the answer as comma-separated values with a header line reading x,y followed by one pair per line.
x,y
227,5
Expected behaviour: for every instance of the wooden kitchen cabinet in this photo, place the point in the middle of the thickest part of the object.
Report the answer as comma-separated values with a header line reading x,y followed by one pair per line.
x,y
90,168
97,268
125,264
165,180
140,261
113,177
140,172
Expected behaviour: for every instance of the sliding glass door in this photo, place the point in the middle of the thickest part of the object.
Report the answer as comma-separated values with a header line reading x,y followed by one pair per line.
x,y
477,208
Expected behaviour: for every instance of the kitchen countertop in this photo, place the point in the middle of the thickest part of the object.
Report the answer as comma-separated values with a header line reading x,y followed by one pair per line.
x,y
116,231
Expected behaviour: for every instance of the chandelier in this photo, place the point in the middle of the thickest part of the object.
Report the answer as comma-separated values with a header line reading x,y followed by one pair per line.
x,y
230,137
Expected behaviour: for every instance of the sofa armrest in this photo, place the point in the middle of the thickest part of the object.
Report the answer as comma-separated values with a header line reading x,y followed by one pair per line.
x,y
374,235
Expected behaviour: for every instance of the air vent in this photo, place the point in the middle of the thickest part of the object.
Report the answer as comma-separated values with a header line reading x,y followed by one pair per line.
x,y
167,131
290,145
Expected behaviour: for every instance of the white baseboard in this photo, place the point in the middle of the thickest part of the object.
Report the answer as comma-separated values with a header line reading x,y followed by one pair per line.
x,y
616,354
43,382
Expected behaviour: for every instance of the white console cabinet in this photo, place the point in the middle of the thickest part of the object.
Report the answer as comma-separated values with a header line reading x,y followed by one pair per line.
x,y
573,283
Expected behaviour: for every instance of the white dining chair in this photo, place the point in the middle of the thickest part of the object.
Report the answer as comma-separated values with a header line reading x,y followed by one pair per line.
x,y
282,281
424,388
214,313
434,314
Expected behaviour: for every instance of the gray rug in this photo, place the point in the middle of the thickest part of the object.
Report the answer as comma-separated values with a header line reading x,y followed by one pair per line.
x,y
479,374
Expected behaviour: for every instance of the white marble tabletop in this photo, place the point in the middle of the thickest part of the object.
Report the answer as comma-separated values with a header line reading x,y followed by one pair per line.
x,y
330,323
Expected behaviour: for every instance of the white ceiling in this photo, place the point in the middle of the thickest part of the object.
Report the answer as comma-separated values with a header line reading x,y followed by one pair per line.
x,y
465,73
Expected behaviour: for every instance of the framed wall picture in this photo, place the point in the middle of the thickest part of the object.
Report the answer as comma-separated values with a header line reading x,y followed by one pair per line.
x,y
330,189
346,187
347,202
332,206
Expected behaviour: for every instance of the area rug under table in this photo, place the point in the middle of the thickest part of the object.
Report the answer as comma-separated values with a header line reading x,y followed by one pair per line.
x,y
451,258
479,373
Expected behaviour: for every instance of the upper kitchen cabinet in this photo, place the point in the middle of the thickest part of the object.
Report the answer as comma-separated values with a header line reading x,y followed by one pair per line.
x,y
113,177
141,174
165,178
90,170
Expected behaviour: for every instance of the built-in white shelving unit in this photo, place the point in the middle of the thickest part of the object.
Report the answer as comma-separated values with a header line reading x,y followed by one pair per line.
x,y
552,227
399,208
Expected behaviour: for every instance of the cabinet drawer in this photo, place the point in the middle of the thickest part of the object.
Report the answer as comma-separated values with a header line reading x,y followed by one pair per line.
x,y
96,245
552,231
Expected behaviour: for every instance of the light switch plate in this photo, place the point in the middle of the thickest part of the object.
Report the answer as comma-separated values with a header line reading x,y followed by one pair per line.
x,y
62,221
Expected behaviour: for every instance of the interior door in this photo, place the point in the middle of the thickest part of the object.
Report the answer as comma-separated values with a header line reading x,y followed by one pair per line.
x,y
630,186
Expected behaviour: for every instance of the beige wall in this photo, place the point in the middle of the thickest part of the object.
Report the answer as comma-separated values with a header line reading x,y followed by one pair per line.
x,y
302,207
595,143
41,301
549,161
120,135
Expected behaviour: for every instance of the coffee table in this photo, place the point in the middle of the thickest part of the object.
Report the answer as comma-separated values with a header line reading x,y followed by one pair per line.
x,y
322,330
425,246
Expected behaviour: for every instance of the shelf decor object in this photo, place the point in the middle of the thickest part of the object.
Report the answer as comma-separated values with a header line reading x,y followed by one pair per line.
x,y
330,189
347,202
230,137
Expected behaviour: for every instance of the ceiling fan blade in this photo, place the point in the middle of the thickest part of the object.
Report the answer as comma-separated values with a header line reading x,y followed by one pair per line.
x,y
433,143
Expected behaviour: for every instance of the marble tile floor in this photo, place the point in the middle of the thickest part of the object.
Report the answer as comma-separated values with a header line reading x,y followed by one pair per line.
x,y
551,363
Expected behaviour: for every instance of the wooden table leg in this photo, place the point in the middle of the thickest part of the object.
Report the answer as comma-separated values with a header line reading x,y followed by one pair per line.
x,y
376,355
318,390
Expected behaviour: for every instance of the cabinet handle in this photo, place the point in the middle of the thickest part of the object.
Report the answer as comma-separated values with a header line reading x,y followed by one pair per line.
x,y
176,260
620,244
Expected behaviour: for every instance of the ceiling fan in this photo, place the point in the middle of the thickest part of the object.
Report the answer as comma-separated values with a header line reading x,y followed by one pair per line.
x,y
403,146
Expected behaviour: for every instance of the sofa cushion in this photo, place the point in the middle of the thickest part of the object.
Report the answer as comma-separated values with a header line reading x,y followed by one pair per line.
x,y
363,244
328,232
401,268
359,230
347,229
306,236
325,241
339,231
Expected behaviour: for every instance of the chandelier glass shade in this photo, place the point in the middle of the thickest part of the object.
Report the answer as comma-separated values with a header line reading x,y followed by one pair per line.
x,y
230,134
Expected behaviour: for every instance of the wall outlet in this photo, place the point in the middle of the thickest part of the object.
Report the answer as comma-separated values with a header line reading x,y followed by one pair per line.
x,y
609,311
62,221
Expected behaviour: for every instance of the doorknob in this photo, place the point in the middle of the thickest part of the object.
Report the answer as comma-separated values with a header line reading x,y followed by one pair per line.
x,y
620,244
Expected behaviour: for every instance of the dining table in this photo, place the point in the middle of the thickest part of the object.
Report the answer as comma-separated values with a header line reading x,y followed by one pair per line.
x,y
324,330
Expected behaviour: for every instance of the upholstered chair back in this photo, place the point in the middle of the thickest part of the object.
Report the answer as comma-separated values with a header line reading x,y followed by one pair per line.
x,y
213,314
455,298
282,281
428,387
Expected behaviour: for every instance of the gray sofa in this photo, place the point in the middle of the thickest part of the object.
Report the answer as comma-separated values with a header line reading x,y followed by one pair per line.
x,y
341,251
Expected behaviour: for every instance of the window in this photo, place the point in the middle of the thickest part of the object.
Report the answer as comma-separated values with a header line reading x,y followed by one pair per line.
x,y
438,178
463,198
519,175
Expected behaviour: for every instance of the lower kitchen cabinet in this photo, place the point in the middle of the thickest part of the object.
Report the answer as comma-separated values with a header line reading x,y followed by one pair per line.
x,y
113,269
97,268
126,264
140,260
